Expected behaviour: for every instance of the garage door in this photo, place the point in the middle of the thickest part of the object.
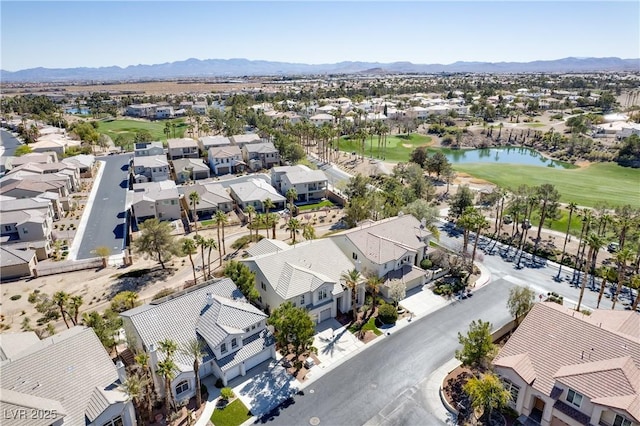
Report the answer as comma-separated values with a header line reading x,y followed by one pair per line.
x,y
257,359
325,315
233,372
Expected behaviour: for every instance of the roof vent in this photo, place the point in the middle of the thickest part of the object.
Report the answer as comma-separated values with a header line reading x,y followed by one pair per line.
x,y
209,298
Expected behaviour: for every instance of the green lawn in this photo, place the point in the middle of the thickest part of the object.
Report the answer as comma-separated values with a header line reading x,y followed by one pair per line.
x,y
371,326
233,414
534,125
325,203
398,147
584,186
113,128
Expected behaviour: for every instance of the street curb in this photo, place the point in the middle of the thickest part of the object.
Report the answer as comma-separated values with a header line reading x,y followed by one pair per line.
x,y
77,239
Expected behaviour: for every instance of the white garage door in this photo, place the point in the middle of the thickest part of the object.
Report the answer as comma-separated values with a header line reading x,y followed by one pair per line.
x,y
325,315
257,359
233,372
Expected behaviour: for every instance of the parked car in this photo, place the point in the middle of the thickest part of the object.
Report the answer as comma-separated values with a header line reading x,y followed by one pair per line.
x,y
507,220
613,247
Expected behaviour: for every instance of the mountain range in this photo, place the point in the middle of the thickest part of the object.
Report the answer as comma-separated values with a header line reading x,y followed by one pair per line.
x,y
192,68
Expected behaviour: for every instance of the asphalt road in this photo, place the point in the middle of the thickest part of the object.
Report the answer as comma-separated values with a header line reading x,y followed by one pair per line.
x,y
385,384
8,143
106,224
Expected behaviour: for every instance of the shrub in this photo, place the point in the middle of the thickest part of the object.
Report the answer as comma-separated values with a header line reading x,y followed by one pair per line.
x,y
226,393
163,293
219,383
15,297
387,314
426,264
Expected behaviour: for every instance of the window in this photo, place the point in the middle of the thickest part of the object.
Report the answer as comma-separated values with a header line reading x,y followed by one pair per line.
x,y
7,227
513,389
183,386
223,348
263,286
322,294
302,300
25,231
574,397
234,342
621,421
253,326
354,256
116,421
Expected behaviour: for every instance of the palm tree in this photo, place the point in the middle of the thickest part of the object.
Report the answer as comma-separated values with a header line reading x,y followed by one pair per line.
x,y
210,245
572,207
291,195
605,273
268,205
189,248
622,257
250,211
74,303
220,219
467,222
195,349
60,298
167,129
308,232
587,217
134,387
272,220
635,284
194,197
167,369
351,280
480,223
595,243
373,286
202,243
293,226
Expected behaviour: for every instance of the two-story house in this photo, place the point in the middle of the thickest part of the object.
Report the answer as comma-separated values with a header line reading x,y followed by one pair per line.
x,y
307,274
206,142
28,229
146,110
233,333
566,368
247,138
254,192
182,148
213,197
260,155
390,248
190,169
69,379
310,185
164,111
160,200
226,159
148,149
153,168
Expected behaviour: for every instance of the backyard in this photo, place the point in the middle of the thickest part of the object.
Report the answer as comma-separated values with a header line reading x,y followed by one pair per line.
x,y
233,414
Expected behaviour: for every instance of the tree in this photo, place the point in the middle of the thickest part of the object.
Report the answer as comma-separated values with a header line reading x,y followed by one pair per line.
x,y
250,211
424,211
419,156
22,150
166,369
103,252
73,307
308,232
195,349
194,198
487,393
106,326
156,240
548,197
134,388
460,201
623,256
210,245
397,291
60,298
520,302
142,359
351,280
202,243
293,331
189,248
572,207
606,273
634,283
220,218
477,345
124,300
291,195
293,226
244,279
595,243
373,287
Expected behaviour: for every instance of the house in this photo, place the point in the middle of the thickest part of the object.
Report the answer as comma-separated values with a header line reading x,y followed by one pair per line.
x,y
206,142
11,204
182,148
22,189
390,248
187,169
260,155
160,200
233,332
148,149
200,108
16,263
84,164
35,157
242,140
566,368
310,185
154,168
213,197
225,160
68,377
320,119
26,226
60,169
306,274
145,110
254,192
164,112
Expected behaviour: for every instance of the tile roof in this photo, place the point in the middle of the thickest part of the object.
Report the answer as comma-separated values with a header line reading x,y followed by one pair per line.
x,y
226,316
12,257
11,344
267,246
261,148
256,190
182,143
570,347
225,152
211,194
18,402
246,138
300,269
209,141
150,161
195,163
251,346
298,177
388,239
65,367
101,399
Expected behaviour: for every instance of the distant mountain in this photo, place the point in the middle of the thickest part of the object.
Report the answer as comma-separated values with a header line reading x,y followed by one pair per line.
x,y
243,67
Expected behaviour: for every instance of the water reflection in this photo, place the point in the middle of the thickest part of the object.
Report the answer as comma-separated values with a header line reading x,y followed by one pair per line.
x,y
510,155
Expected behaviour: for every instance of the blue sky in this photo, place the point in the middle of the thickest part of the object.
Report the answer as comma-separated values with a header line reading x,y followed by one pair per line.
x,y
55,34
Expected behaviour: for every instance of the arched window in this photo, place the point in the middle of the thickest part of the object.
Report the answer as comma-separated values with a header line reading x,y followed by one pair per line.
x,y
183,386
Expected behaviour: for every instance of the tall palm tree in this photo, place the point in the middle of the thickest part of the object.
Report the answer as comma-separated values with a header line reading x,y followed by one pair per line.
x,y
168,346
595,243
572,207
622,257
291,195
60,298
587,217
195,349
373,286
308,232
134,387
220,218
293,226
250,211
167,369
194,198
189,248
273,219
351,280
210,245
202,243
74,304
605,273
635,284
480,223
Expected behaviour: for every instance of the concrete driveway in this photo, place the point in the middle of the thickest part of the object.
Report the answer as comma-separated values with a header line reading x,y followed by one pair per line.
x,y
335,344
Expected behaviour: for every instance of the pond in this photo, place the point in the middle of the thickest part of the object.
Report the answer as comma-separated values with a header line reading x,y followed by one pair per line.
x,y
76,111
510,155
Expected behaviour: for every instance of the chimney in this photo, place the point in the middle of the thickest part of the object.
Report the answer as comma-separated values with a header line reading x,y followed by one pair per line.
x,y
153,357
122,373
209,298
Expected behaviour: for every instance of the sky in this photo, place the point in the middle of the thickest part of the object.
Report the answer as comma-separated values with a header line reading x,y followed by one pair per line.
x,y
55,34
